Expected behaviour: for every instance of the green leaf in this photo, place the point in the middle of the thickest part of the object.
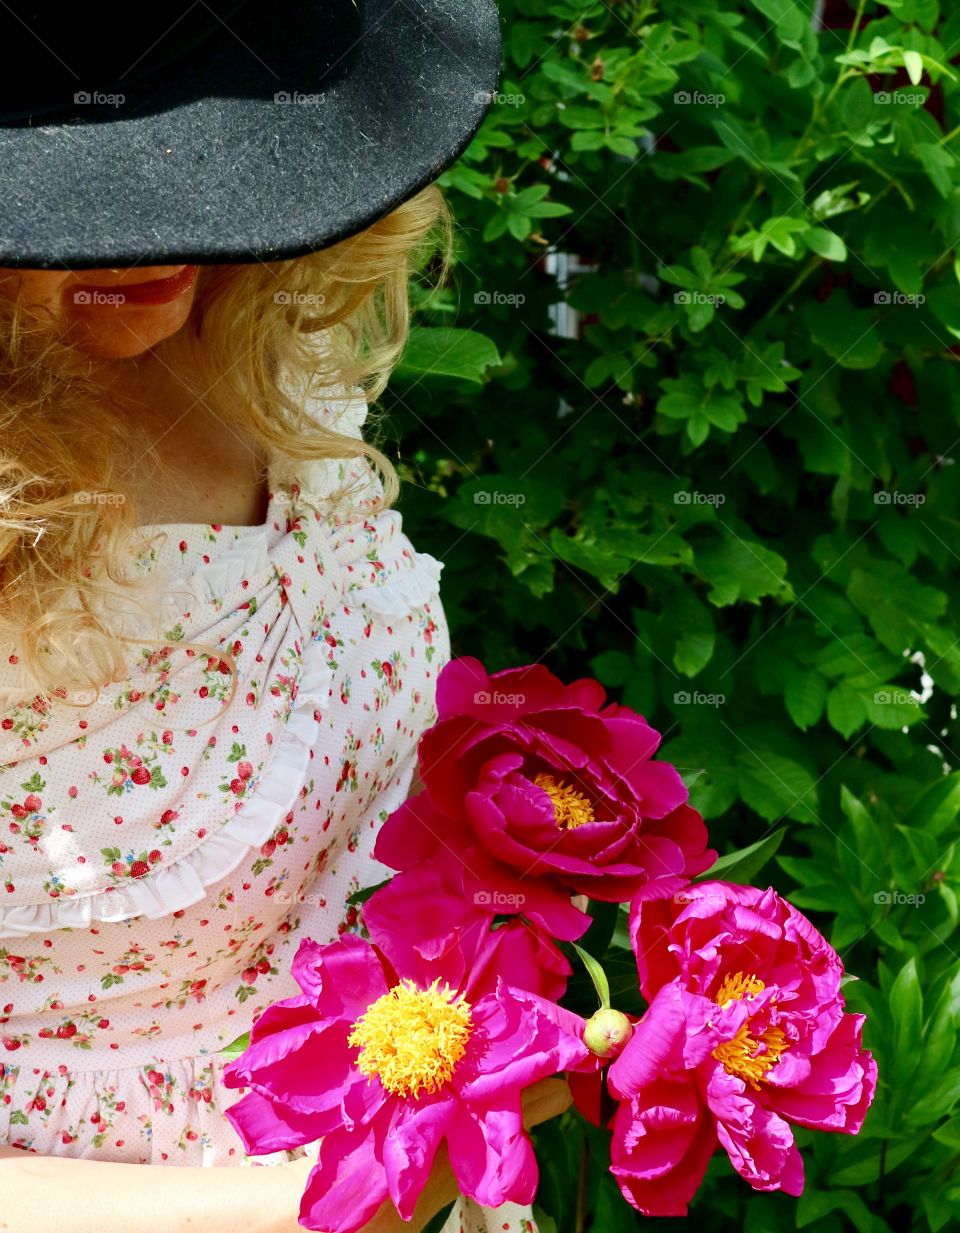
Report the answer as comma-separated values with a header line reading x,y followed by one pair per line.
x,y
825,243
738,569
597,975
364,893
846,710
437,1222
848,335
906,1007
804,696
236,1047
776,787
743,865
938,807
444,351
913,63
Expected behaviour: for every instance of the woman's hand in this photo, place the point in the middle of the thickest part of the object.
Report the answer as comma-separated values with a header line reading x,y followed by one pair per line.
x,y
546,1099
543,1100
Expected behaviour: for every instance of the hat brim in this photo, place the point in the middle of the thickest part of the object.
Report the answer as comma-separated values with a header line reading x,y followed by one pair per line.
x,y
213,169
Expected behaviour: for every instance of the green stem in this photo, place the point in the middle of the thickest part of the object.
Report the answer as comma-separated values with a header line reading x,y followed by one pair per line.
x,y
812,264
580,1220
950,136
855,28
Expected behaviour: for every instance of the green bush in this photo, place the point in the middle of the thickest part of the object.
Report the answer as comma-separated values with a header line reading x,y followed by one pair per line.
x,y
733,497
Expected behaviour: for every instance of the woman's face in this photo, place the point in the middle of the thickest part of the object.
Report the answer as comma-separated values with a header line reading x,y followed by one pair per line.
x,y
109,313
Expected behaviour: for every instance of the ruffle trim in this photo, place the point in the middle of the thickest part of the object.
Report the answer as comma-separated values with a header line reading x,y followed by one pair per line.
x,y
402,591
184,883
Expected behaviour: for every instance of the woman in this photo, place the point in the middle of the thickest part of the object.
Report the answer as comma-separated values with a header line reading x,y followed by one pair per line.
x,y
220,649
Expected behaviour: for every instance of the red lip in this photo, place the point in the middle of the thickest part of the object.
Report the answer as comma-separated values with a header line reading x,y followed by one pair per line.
x,y
156,291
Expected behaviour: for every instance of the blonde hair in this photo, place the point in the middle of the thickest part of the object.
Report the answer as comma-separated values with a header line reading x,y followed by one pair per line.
x,y
253,330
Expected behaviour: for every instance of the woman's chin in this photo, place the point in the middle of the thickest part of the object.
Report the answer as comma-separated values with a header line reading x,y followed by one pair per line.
x,y
125,334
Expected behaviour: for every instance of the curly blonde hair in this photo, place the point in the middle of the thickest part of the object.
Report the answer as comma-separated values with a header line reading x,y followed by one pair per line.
x,y
251,329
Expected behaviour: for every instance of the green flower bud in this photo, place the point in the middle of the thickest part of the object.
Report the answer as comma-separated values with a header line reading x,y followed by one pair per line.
x,y
607,1031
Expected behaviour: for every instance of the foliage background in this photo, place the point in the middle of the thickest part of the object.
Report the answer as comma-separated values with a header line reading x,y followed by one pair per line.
x,y
732,494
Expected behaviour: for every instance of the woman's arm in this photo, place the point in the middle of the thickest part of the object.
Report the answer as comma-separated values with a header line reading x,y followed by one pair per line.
x,y
54,1194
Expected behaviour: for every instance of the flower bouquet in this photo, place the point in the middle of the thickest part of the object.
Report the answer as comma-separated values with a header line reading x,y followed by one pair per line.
x,y
546,821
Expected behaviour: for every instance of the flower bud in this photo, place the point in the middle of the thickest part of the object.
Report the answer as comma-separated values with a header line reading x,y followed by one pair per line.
x,y
607,1031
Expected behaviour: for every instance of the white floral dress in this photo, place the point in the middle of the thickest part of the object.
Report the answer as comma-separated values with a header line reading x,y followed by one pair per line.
x,y
158,870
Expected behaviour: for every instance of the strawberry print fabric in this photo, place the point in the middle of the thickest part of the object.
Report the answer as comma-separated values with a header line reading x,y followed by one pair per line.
x,y
163,851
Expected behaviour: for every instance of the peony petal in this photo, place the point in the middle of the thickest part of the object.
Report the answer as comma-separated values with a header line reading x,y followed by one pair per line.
x,y
424,922
266,1126
347,1185
654,1049
523,957
413,832
304,1068
410,1148
524,1038
342,978
491,1155
757,1140
838,1089
660,1148
279,1016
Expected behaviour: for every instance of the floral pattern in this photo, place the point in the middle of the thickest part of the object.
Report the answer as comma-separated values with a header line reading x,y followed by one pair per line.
x,y
162,853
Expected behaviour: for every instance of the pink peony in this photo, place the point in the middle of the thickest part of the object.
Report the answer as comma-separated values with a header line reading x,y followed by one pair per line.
x,y
425,914
384,1062
745,1033
561,792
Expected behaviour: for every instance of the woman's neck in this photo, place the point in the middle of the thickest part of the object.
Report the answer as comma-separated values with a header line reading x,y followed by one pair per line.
x,y
207,471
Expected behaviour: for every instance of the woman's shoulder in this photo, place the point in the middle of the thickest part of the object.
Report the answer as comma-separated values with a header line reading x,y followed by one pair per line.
x,y
379,565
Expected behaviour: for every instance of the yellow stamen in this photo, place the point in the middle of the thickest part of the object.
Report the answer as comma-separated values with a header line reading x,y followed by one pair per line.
x,y
570,807
413,1038
745,1056
734,987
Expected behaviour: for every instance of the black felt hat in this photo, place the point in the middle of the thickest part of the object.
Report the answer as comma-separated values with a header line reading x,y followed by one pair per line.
x,y
222,130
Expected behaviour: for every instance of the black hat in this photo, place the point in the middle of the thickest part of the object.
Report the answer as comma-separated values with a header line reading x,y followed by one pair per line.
x,y
227,130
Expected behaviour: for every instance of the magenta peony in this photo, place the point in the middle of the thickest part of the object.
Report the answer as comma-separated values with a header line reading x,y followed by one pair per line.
x,y
531,783
383,1059
745,1033
425,914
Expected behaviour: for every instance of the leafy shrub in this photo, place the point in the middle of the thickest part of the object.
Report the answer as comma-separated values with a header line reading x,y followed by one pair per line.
x,y
731,491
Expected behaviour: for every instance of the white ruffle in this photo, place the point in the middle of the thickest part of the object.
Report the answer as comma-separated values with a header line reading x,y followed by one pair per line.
x,y
184,883
400,592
